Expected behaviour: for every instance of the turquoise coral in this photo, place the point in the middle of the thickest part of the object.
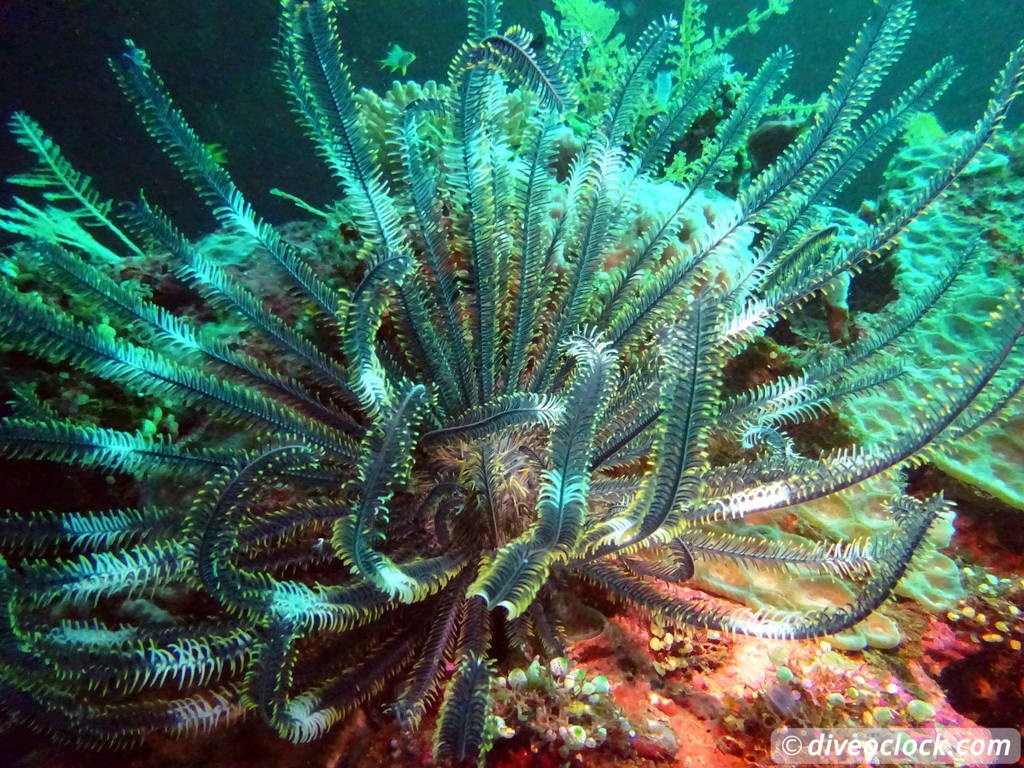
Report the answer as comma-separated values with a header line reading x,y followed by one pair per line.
x,y
522,390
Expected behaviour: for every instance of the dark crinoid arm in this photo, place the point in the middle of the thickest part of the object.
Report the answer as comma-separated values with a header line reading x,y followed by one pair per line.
x,y
524,387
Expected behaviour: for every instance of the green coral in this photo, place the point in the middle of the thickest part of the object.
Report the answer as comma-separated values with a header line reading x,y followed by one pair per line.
x,y
984,204
592,18
696,45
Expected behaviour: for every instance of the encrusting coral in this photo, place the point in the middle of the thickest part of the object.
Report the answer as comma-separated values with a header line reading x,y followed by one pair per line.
x,y
520,394
987,201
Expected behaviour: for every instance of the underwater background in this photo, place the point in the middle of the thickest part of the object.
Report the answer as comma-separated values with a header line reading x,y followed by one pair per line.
x,y
209,48
545,418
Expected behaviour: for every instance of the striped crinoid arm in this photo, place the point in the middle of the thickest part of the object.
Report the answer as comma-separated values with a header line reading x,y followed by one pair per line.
x,y
840,558
688,402
462,717
513,55
885,235
197,163
55,334
50,679
887,556
811,159
929,428
320,83
518,571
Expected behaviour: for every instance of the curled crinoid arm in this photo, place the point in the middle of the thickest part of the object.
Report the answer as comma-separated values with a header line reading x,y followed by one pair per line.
x,y
889,557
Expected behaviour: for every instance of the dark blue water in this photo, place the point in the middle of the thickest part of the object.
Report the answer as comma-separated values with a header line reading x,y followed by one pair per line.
x,y
218,58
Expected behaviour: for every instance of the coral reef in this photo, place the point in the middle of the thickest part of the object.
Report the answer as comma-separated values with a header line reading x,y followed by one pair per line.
x,y
982,209
559,707
515,381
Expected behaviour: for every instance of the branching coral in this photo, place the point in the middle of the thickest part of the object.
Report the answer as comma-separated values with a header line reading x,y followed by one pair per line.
x,y
522,392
